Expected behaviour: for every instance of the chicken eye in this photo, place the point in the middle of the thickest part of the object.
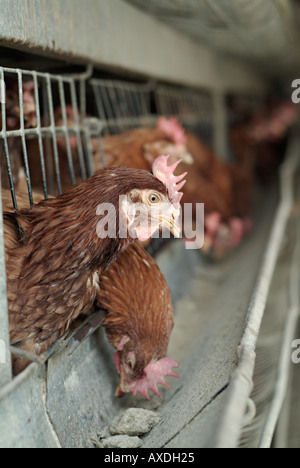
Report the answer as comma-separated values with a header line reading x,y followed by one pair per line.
x,y
154,198
130,361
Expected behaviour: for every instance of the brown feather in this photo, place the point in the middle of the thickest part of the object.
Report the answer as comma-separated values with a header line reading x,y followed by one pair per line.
x,y
51,278
135,294
127,149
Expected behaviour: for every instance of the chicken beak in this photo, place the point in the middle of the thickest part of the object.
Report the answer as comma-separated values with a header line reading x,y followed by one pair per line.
x,y
123,388
173,225
187,158
120,392
184,154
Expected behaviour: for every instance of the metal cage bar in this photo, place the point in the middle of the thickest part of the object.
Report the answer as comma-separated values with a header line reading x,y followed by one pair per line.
x,y
53,133
5,358
65,122
188,104
59,93
77,130
121,105
39,126
284,365
195,108
25,155
241,383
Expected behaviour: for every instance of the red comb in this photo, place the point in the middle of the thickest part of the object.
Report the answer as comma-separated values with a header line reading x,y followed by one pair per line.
x,y
154,374
173,129
165,174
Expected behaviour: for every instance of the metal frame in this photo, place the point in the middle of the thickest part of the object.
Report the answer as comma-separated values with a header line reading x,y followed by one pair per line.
x,y
241,383
46,131
141,104
121,105
195,108
5,358
192,106
46,127
284,365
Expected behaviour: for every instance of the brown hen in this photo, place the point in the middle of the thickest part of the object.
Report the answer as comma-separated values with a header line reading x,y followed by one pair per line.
x,y
53,274
138,148
139,321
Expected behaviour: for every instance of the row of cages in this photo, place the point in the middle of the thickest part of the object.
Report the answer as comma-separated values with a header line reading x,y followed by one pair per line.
x,y
52,126
46,119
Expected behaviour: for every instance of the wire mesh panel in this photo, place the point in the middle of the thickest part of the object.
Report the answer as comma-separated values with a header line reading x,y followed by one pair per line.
x,y
122,105
44,149
194,108
44,142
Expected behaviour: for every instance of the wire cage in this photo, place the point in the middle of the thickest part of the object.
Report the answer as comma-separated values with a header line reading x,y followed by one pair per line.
x,y
54,121
45,148
49,138
122,105
49,121
44,122
195,108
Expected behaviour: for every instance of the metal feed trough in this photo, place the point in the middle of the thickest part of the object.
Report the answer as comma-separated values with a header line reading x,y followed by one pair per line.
x,y
66,396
